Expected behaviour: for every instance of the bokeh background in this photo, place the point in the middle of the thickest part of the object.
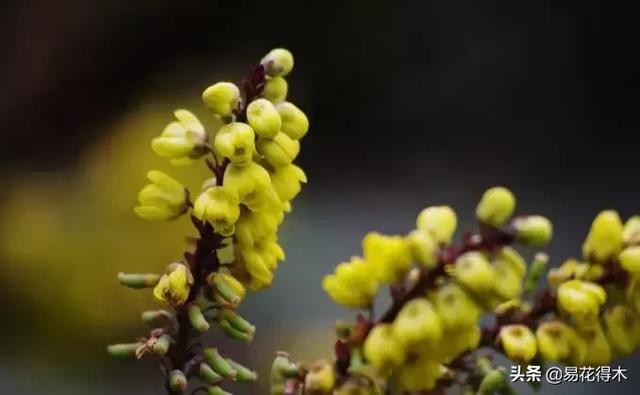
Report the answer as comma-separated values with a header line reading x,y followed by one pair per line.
x,y
411,103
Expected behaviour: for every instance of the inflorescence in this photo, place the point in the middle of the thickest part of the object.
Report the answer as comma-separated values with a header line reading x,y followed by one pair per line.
x,y
237,214
427,340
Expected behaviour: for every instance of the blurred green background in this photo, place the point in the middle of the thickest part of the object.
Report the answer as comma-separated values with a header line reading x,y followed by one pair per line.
x,y
411,103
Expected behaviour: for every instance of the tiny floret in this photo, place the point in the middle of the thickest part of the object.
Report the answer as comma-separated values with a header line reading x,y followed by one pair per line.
x,y
165,198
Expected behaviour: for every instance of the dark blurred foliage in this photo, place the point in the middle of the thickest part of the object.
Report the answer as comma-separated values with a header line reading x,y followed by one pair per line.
x,y
543,87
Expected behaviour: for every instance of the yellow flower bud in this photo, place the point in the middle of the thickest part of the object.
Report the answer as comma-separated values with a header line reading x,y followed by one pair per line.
x,y
382,349
220,206
246,179
533,230
423,247
512,259
631,231
555,341
630,260
519,342
174,286
286,181
353,284
622,328
417,322
604,240
165,198
474,272
496,206
235,141
294,121
455,307
439,221
507,280
389,256
278,62
279,151
275,89
182,140
592,348
320,379
419,375
581,299
222,98
263,118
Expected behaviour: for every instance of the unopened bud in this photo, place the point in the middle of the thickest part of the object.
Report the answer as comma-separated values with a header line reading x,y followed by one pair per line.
x,y
244,374
215,390
177,381
496,206
208,375
295,123
161,345
234,332
138,281
263,118
127,350
222,98
197,319
220,365
533,230
278,62
275,89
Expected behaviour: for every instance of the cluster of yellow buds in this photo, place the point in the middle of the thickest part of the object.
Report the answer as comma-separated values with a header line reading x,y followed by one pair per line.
x,y
237,213
597,296
436,319
590,314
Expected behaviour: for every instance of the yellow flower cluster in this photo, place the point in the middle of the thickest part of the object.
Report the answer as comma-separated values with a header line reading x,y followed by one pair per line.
x,y
433,328
255,148
599,321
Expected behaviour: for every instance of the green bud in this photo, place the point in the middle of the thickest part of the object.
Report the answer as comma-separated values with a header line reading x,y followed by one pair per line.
x,y
496,206
275,90
234,332
161,345
228,291
123,350
218,363
222,98
208,375
237,321
215,390
198,322
537,269
282,368
138,281
295,123
533,230
158,318
278,62
492,382
264,118
244,374
177,381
